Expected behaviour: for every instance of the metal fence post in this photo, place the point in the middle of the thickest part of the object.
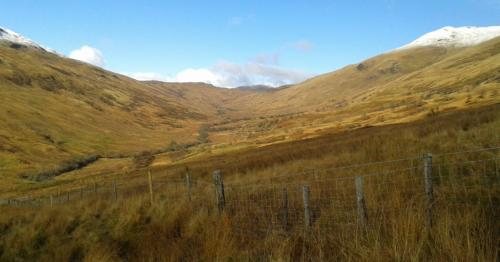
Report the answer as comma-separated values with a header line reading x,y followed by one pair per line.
x,y
360,200
219,190
429,191
307,211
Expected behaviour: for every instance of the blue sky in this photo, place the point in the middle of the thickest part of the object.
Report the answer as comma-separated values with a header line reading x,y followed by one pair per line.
x,y
271,42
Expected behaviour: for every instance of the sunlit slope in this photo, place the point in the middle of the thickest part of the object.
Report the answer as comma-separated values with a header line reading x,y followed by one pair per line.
x,y
396,87
399,86
341,88
468,76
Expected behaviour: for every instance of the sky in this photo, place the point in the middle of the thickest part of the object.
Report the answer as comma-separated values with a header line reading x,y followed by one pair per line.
x,y
234,43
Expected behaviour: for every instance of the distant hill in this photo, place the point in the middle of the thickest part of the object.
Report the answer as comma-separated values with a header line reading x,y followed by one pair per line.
x,y
263,88
257,88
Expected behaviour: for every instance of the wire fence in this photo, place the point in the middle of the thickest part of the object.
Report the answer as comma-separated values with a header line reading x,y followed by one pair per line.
x,y
330,199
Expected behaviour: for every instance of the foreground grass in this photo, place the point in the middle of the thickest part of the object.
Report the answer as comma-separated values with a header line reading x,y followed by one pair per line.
x,y
134,230
173,229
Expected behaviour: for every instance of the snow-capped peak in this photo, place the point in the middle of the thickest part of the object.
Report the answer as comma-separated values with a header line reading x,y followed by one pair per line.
x,y
11,36
455,37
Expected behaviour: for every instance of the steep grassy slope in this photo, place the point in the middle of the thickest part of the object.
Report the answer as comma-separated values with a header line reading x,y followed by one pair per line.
x,y
391,88
409,73
53,109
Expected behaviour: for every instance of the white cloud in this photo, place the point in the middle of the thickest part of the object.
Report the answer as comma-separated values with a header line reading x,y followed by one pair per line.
x,y
303,45
227,74
199,75
89,55
147,76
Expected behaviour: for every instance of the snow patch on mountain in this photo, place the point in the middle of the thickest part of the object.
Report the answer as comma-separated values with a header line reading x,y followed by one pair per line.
x,y
455,37
11,36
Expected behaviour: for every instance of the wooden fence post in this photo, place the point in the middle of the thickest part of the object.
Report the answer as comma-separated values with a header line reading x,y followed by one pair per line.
x,y
496,170
285,209
115,190
219,190
188,185
429,191
307,211
360,200
150,179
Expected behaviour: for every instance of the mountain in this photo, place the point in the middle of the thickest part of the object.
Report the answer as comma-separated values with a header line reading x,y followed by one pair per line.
x,y
18,40
456,37
435,67
54,109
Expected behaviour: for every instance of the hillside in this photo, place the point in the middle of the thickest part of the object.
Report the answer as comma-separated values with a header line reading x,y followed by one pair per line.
x,y
53,109
398,86
56,109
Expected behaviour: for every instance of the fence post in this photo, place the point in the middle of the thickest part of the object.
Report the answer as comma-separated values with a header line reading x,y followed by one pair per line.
x,y
150,180
67,196
360,200
429,191
51,201
219,190
307,211
285,209
188,185
115,190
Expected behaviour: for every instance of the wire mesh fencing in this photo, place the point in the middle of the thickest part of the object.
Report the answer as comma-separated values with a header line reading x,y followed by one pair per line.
x,y
326,199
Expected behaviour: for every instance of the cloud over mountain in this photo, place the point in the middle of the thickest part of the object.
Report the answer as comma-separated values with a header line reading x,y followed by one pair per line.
x,y
228,74
89,55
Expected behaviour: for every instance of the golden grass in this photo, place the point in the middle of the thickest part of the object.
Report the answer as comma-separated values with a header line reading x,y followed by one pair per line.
x,y
173,229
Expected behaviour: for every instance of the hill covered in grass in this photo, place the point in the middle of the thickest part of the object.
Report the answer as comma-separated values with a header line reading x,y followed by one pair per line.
x,y
57,112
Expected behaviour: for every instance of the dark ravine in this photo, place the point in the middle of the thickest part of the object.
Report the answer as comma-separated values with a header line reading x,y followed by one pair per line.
x,y
84,161
65,167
